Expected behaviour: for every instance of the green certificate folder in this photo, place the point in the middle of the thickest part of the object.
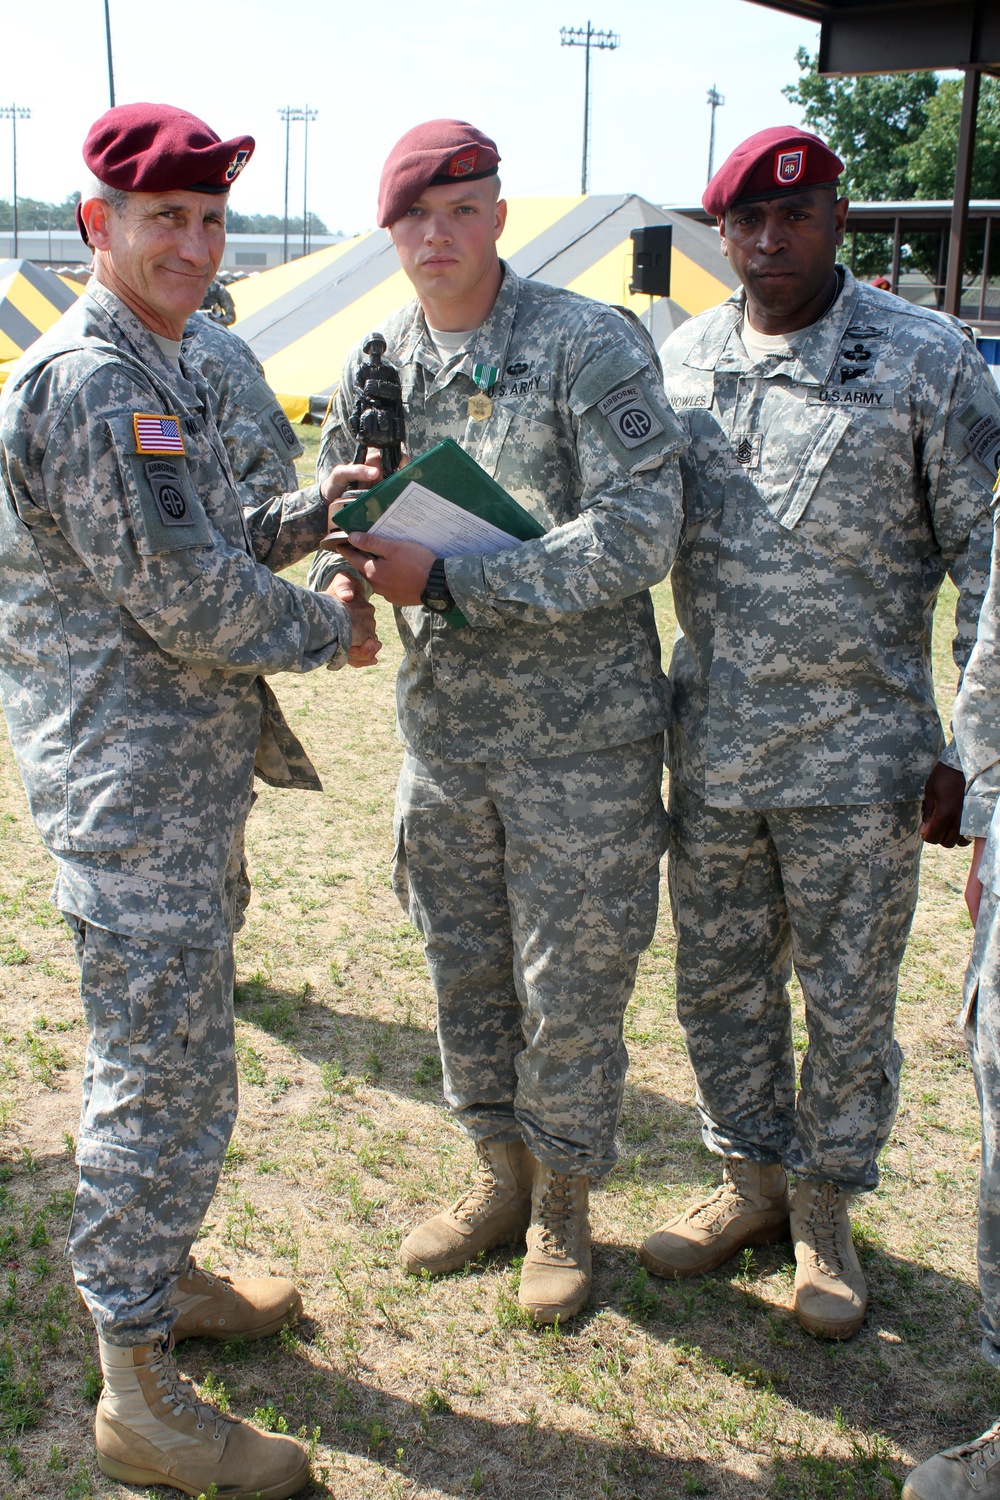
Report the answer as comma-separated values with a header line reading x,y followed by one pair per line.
x,y
448,473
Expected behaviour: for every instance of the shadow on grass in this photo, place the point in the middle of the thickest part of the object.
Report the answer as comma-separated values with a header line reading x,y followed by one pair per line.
x,y
911,1375
402,1058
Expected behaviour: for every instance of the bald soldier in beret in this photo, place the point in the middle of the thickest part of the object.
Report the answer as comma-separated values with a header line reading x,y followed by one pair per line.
x,y
529,819
843,445
135,625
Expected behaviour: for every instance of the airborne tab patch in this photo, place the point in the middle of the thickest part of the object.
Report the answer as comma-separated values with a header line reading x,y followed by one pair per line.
x,y
157,434
628,412
169,493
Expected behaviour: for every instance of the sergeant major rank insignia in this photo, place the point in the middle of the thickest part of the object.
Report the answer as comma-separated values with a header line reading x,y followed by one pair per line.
x,y
155,434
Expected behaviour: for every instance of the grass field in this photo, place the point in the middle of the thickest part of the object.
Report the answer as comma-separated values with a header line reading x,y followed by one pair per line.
x,y
419,1389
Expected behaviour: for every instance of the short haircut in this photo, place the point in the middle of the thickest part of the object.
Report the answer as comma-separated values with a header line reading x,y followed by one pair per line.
x,y
116,198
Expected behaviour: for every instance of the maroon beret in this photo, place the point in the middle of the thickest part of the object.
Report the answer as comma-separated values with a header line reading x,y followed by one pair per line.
x,y
439,151
768,165
155,148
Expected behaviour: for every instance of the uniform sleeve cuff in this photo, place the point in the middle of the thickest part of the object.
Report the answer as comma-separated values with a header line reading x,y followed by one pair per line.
x,y
467,585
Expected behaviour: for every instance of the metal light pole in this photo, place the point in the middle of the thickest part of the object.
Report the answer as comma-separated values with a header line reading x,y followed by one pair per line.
x,y
587,37
715,99
288,113
307,115
111,71
13,113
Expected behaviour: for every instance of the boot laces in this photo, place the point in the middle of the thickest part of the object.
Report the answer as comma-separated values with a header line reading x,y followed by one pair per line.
x,y
718,1206
552,1215
481,1196
982,1450
180,1394
821,1229
193,1270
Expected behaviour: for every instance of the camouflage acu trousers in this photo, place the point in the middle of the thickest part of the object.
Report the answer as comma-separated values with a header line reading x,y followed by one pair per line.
x,y
832,889
534,885
159,1103
981,1017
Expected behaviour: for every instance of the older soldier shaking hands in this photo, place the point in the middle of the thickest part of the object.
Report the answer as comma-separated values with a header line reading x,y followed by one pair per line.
x,y
843,445
529,820
136,625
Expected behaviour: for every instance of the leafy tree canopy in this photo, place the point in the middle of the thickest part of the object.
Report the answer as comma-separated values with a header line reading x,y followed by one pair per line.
x,y
897,134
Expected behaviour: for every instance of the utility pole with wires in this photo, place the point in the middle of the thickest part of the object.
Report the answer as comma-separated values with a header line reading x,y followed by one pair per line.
x,y
605,41
715,99
307,115
288,113
13,113
111,71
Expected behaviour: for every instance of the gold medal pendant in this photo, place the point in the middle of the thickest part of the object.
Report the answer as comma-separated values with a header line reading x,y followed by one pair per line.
x,y
480,407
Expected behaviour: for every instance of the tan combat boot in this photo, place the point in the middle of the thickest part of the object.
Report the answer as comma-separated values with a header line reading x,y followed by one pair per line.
x,y
152,1428
556,1275
214,1307
494,1211
969,1472
830,1291
749,1208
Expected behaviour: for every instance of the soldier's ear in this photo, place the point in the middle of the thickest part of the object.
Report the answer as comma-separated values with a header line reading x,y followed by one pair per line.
x,y
95,213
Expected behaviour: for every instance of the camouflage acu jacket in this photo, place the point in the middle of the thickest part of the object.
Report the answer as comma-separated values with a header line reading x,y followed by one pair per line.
x,y
977,722
134,619
825,497
560,653
285,523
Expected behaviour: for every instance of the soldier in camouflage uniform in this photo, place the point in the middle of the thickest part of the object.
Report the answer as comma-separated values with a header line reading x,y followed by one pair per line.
x,y
971,1471
136,624
529,822
839,465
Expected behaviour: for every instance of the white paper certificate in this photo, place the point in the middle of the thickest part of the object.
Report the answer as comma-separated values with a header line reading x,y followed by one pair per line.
x,y
419,515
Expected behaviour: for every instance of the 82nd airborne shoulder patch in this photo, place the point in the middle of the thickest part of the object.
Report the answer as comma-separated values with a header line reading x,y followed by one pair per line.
x,y
630,416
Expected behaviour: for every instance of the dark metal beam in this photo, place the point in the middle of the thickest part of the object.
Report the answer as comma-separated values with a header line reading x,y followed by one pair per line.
x,y
963,184
895,36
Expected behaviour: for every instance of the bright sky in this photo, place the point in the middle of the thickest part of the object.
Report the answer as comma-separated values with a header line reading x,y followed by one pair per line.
x,y
376,67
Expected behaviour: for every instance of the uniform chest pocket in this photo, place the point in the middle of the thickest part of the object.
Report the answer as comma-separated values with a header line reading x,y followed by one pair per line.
x,y
791,506
163,503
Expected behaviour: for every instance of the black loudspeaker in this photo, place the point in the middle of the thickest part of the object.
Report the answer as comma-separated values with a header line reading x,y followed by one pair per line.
x,y
651,260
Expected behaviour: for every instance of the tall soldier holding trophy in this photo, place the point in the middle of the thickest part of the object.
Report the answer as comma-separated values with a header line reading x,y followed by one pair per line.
x,y
529,824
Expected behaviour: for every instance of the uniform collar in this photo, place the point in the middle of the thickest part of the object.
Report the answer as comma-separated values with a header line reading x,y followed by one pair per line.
x,y
491,346
133,331
720,346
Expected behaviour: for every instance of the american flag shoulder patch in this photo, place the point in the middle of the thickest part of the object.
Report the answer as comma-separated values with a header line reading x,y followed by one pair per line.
x,y
156,434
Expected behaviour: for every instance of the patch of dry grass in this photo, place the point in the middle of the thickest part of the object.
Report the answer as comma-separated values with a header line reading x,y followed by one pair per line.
x,y
419,1389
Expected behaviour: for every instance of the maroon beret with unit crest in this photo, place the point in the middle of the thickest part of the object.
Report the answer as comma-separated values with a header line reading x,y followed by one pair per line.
x,y
155,148
770,164
439,151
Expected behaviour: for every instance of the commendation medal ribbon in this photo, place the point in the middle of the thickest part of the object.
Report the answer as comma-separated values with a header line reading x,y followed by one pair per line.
x,y
481,407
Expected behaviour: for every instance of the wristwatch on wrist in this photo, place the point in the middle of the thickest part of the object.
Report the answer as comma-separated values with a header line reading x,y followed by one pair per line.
x,y
436,596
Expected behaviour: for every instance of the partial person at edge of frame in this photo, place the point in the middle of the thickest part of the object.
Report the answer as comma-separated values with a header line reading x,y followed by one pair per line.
x,y
971,1471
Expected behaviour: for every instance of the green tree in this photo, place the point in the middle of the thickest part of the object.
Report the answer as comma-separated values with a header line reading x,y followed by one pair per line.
x,y
931,155
897,134
33,214
872,123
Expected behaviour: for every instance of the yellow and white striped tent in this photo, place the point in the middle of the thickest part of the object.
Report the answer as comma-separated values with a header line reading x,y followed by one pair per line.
x,y
31,300
302,319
